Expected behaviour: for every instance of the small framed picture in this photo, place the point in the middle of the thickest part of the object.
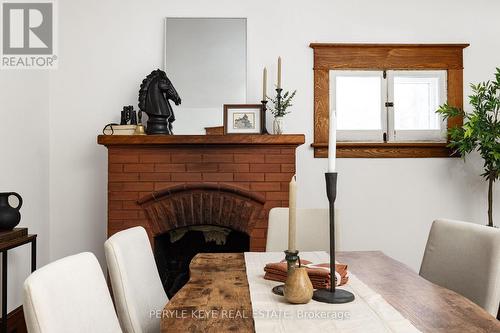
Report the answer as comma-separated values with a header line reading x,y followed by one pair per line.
x,y
243,118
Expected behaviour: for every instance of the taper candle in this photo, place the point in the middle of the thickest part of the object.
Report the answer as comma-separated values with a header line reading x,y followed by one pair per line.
x,y
332,143
279,72
264,85
292,214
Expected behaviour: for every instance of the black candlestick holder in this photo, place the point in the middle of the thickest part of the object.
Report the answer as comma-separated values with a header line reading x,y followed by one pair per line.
x,y
263,120
291,258
332,295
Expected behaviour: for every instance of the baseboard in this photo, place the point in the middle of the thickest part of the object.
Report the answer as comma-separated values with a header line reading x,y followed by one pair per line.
x,y
15,321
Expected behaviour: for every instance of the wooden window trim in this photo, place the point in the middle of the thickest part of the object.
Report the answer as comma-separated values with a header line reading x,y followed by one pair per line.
x,y
328,57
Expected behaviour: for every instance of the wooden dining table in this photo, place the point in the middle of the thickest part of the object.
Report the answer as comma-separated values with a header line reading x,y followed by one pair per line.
x,y
217,297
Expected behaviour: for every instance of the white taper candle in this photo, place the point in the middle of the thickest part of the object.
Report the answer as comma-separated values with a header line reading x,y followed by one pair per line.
x,y
264,85
292,215
279,72
332,141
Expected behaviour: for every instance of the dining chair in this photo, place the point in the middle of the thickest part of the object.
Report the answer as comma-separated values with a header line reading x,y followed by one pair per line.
x,y
465,257
69,295
137,289
312,229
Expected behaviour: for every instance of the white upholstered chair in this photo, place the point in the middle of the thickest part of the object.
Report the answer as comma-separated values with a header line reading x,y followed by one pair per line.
x,y
312,230
136,284
465,257
69,295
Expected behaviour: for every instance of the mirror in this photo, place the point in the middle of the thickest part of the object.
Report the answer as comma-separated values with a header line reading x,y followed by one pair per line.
x,y
205,58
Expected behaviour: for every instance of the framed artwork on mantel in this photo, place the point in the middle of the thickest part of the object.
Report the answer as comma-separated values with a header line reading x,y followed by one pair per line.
x,y
243,118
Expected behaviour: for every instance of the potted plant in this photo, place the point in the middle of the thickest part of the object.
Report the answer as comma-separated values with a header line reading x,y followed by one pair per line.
x,y
279,109
480,131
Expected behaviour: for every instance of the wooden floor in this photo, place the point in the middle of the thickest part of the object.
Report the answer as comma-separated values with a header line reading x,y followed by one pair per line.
x,y
15,321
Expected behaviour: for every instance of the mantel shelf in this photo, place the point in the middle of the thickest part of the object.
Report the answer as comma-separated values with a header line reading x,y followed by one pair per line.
x,y
152,140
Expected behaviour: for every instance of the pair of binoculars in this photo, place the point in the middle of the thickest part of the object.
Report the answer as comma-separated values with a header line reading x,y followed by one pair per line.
x,y
128,116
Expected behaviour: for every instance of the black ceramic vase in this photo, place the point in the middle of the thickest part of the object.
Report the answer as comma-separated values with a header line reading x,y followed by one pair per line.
x,y
9,216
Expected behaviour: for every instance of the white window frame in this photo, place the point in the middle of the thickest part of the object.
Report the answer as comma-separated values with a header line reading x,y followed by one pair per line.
x,y
387,112
416,135
360,135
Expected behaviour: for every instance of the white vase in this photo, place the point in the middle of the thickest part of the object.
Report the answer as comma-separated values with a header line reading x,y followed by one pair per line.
x,y
278,125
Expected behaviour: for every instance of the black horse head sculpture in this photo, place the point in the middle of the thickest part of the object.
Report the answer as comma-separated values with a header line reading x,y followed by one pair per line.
x,y
154,95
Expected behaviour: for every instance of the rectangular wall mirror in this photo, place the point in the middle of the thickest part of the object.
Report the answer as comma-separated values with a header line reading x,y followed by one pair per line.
x,y
206,60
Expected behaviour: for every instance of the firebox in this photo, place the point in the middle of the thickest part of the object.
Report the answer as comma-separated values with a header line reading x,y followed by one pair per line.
x,y
175,249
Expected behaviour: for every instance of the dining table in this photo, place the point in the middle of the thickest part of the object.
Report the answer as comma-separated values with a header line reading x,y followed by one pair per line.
x,y
217,296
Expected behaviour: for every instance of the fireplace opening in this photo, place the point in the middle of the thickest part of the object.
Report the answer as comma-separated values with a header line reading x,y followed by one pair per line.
x,y
175,248
188,219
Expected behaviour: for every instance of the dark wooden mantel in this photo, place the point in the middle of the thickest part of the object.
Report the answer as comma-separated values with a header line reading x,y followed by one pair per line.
x,y
123,140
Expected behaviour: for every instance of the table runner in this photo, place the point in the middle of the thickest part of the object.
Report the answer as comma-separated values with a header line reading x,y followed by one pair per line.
x,y
368,313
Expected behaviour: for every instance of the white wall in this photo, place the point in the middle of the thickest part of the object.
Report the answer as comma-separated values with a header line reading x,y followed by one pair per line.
x,y
24,165
100,70
107,47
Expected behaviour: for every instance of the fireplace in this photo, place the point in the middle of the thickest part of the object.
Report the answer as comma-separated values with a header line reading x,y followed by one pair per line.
x,y
141,166
165,184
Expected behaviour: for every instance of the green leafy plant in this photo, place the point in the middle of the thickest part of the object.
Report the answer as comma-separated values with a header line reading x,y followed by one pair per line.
x,y
279,108
480,131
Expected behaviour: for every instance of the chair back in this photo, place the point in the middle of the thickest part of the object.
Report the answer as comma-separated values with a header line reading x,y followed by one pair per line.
x,y
69,295
137,289
312,230
465,257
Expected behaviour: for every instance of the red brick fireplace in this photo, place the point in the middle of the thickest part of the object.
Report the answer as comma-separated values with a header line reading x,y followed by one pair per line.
x,y
144,168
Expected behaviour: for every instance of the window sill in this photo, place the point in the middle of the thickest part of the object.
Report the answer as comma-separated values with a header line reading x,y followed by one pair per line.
x,y
385,150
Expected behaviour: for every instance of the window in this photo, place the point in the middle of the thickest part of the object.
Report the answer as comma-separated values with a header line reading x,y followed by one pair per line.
x,y
416,95
388,105
419,77
358,98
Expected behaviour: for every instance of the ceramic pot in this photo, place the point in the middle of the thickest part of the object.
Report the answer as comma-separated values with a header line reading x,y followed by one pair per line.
x,y
9,216
298,287
278,125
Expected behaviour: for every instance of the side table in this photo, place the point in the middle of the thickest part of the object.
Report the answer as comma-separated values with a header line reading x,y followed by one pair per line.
x,y
8,240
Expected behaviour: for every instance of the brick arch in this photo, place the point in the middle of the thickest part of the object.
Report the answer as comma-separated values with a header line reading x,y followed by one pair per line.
x,y
204,203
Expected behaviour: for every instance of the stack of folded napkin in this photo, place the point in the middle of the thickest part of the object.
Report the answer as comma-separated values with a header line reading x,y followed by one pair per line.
x,y
318,273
